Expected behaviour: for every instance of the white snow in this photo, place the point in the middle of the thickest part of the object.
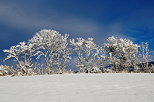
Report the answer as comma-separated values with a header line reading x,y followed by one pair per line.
x,y
78,88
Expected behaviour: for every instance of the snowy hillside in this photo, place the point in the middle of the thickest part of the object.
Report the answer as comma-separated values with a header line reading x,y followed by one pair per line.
x,y
78,88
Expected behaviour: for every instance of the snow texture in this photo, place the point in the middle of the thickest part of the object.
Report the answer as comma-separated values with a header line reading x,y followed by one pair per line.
x,y
78,88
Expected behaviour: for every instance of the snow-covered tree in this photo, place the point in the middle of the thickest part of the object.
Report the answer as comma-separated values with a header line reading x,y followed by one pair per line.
x,y
62,59
122,52
22,54
144,57
100,58
87,54
52,46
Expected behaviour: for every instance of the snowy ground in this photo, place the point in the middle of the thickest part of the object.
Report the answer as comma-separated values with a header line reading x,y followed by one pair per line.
x,y
78,88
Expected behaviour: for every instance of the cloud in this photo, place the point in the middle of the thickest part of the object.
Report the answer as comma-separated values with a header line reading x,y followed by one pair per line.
x,y
14,15
31,18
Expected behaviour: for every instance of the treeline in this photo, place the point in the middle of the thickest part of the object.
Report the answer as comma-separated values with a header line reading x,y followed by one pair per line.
x,y
49,52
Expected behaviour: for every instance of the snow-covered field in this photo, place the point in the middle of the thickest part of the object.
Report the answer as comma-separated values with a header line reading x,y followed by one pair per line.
x,y
78,88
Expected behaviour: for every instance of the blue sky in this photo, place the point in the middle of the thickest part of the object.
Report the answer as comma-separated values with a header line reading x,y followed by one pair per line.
x,y
132,19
